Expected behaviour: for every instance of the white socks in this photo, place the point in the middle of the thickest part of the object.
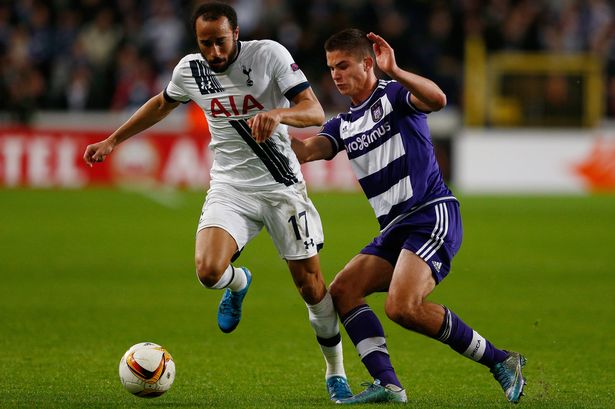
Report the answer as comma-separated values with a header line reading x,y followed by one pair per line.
x,y
323,319
334,358
233,278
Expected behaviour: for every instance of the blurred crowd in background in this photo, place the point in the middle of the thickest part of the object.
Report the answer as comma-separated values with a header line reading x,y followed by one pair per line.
x,y
77,55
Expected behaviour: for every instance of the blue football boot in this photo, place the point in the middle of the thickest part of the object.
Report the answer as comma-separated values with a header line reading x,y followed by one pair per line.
x,y
338,388
376,393
229,309
508,374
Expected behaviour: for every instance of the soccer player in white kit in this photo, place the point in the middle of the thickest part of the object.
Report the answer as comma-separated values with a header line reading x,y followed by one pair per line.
x,y
244,89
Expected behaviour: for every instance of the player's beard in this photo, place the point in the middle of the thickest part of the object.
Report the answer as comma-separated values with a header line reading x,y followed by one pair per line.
x,y
229,60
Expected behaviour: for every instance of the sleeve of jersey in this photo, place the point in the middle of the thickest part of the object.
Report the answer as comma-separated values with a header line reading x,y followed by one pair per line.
x,y
403,101
174,92
331,131
289,77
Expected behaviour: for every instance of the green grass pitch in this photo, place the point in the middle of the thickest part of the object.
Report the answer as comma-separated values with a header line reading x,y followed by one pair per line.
x,y
86,274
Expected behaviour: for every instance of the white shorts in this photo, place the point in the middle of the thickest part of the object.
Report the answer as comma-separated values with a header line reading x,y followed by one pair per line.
x,y
287,213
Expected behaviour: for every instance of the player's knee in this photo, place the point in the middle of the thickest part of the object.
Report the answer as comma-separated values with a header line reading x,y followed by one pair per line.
x,y
403,313
339,291
208,270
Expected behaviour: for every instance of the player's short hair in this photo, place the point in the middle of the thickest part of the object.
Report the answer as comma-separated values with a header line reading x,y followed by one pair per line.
x,y
212,11
352,41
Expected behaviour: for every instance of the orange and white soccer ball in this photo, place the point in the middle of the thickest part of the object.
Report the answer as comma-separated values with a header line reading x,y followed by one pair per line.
x,y
147,370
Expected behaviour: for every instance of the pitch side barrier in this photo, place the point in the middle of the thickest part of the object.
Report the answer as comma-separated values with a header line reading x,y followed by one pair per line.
x,y
173,154
52,158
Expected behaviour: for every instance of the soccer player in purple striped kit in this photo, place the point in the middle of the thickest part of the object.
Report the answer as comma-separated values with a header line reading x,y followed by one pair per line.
x,y
387,139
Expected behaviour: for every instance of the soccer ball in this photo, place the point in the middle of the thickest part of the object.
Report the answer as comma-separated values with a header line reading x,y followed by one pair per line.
x,y
147,370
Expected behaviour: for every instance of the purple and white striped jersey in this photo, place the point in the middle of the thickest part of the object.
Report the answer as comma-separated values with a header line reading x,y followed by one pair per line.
x,y
389,146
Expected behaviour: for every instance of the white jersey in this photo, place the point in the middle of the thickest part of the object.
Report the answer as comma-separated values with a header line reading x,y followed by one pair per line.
x,y
261,78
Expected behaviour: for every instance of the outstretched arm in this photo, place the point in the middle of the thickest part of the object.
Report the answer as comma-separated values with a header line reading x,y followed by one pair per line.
x,y
313,148
306,111
426,95
150,113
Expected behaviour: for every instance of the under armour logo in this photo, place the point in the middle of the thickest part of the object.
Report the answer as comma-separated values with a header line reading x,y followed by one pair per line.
x,y
308,243
247,72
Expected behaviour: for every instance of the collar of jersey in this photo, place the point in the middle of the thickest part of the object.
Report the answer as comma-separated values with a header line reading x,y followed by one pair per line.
x,y
362,104
237,54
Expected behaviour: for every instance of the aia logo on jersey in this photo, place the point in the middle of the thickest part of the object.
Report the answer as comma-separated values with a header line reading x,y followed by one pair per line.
x,y
247,72
294,66
377,111
227,106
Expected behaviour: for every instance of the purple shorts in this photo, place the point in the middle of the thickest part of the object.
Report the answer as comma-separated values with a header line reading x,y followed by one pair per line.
x,y
433,233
